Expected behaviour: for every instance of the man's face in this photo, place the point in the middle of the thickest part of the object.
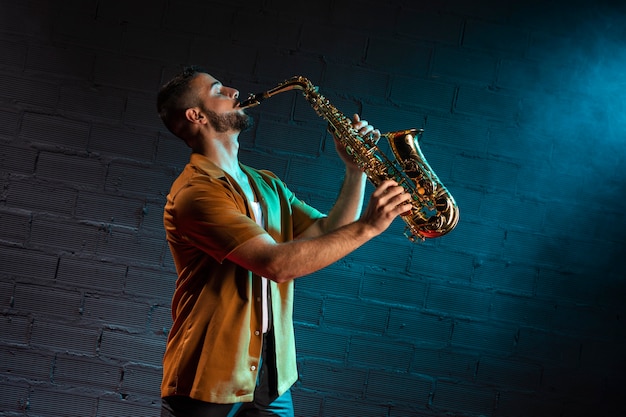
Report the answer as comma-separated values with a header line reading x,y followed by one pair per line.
x,y
220,104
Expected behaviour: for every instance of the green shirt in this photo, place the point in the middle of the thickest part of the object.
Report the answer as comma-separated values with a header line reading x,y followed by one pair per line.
x,y
214,346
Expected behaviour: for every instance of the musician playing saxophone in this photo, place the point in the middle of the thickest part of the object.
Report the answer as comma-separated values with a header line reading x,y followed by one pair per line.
x,y
239,237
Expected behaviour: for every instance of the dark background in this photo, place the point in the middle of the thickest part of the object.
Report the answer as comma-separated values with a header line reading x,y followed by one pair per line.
x,y
518,312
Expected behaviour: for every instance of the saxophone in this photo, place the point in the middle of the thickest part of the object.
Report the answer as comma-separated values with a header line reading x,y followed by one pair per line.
x,y
434,212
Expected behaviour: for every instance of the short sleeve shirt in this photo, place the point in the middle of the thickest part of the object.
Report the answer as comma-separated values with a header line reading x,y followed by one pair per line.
x,y
215,342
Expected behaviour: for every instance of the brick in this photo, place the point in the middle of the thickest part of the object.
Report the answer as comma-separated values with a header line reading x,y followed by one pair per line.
x,y
141,111
411,389
56,60
13,54
418,327
519,279
40,197
483,337
63,338
160,320
277,67
480,171
88,372
462,64
155,44
433,26
14,396
64,235
334,378
487,104
333,346
509,373
487,239
108,407
442,264
452,131
524,310
355,80
120,211
495,37
90,33
151,283
27,263
15,227
516,144
123,177
116,312
355,315
280,33
31,92
550,348
88,172
122,244
141,381
45,301
511,210
90,274
13,329
394,289
343,407
422,93
390,250
99,106
171,151
387,119
380,353
9,121
54,402
338,42
406,58
26,363
458,300
237,59
335,279
134,347
131,73
308,308
306,404
439,363
452,397
302,141
309,175
17,160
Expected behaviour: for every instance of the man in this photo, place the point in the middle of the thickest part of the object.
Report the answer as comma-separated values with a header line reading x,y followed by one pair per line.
x,y
239,237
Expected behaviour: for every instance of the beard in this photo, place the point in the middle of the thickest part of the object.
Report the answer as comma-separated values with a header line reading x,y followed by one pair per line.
x,y
230,121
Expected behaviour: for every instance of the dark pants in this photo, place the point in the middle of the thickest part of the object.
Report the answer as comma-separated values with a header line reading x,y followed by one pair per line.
x,y
266,401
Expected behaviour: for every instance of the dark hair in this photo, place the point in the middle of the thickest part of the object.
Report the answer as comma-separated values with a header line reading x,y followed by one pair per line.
x,y
174,97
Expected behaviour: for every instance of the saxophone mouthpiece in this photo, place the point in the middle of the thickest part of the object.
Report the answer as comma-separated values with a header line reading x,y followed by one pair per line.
x,y
252,101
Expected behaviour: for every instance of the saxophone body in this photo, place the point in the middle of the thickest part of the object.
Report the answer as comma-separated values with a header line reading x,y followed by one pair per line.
x,y
434,212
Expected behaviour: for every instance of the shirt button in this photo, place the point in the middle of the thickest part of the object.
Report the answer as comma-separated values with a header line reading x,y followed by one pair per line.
x,y
253,368
256,332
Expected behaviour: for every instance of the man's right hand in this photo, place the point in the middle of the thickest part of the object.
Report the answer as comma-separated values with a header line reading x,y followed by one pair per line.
x,y
388,201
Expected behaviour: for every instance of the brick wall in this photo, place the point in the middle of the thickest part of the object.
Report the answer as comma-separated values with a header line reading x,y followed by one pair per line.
x,y
518,312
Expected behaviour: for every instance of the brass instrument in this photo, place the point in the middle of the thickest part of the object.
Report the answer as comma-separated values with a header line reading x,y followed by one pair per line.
x,y
434,212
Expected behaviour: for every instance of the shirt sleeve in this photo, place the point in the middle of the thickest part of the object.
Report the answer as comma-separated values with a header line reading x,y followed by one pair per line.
x,y
211,216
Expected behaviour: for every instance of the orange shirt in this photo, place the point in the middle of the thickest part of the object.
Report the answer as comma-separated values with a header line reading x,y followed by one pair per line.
x,y
214,345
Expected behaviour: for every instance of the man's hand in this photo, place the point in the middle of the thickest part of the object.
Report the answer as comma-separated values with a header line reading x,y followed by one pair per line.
x,y
388,201
364,129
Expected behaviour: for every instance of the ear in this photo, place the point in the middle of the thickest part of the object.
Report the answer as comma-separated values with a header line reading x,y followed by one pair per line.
x,y
194,115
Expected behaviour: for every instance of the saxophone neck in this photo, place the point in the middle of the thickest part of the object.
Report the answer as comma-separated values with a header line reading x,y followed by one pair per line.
x,y
297,82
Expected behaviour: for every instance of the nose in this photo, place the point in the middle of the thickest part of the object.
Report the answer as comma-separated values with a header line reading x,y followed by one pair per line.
x,y
232,92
